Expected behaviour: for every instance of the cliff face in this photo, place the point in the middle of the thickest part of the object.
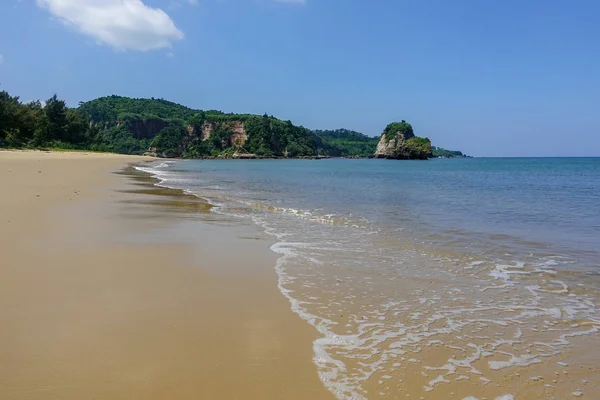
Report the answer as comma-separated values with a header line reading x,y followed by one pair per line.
x,y
398,142
149,128
237,135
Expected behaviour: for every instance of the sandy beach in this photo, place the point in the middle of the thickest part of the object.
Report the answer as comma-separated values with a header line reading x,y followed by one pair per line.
x,y
113,289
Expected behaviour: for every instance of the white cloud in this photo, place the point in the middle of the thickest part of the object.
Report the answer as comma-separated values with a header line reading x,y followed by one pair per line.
x,y
122,24
1,59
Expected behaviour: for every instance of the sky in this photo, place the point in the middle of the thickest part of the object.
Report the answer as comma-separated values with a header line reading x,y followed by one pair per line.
x,y
488,77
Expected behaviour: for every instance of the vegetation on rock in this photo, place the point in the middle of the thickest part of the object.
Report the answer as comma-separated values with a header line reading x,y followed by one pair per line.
x,y
418,147
395,129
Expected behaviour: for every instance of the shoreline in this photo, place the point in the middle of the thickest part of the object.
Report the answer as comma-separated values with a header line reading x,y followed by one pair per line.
x,y
112,289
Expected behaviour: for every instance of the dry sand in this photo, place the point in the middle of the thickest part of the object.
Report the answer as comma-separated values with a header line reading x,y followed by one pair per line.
x,y
111,289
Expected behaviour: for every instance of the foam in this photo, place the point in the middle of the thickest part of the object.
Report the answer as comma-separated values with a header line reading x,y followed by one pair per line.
x,y
433,382
504,397
521,361
328,367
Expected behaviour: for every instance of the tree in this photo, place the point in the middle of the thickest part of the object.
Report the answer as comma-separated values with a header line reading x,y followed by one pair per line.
x,y
31,118
56,114
9,107
169,140
77,127
293,150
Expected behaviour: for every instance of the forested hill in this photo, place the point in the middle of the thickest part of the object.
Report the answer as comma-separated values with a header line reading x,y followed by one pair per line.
x,y
114,108
351,143
439,152
136,126
170,129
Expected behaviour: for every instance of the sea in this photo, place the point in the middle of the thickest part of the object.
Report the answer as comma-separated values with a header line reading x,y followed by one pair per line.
x,y
468,278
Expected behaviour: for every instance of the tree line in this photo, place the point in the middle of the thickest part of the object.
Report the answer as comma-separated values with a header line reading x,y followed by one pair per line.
x,y
35,124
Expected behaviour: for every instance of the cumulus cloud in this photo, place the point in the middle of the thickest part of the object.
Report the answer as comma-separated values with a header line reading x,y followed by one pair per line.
x,y
122,24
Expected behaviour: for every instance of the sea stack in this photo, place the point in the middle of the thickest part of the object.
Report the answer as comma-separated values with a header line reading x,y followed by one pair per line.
x,y
398,142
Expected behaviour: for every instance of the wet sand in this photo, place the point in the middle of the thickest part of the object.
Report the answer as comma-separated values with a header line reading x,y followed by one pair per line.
x,y
113,289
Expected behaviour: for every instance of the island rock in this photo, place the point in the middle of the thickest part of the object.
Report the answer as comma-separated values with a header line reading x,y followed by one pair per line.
x,y
398,142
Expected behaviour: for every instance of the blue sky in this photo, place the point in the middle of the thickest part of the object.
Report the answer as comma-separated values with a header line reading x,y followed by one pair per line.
x,y
492,78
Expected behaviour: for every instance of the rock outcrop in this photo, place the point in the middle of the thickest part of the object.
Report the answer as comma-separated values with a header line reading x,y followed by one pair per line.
x,y
398,142
237,133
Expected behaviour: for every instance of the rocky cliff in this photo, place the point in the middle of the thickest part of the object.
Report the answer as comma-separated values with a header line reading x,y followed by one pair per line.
x,y
398,142
235,136
236,132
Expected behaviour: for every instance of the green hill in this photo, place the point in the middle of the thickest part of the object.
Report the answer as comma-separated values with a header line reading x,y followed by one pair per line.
x,y
171,129
350,143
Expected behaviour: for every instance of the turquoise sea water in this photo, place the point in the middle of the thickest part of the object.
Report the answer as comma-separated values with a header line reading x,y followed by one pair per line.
x,y
470,267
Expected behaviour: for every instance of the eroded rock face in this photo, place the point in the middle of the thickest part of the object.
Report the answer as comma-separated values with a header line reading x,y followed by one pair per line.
x,y
394,149
207,129
386,148
237,137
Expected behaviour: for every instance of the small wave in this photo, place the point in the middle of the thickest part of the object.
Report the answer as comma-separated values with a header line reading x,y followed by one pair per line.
x,y
388,327
165,164
311,215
